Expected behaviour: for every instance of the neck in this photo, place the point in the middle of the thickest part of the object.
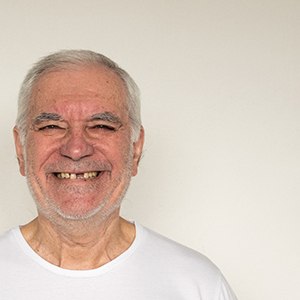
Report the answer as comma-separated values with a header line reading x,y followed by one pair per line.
x,y
79,246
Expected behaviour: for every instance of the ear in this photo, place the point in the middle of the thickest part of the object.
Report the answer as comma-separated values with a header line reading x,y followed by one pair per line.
x,y
137,151
19,151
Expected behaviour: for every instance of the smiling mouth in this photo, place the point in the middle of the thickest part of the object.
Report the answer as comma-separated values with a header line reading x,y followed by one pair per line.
x,y
85,175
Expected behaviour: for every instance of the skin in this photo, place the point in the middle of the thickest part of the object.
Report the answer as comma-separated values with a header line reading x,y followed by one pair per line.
x,y
79,124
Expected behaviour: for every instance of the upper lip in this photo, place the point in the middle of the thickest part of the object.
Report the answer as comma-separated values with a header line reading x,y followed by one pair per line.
x,y
79,168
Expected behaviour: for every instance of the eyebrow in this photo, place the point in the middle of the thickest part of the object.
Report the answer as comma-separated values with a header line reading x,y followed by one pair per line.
x,y
106,116
47,117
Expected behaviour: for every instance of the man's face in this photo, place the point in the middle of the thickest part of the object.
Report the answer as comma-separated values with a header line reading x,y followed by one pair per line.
x,y
78,155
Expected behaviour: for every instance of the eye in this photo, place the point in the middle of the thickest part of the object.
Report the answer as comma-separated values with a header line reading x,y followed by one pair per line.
x,y
49,127
104,127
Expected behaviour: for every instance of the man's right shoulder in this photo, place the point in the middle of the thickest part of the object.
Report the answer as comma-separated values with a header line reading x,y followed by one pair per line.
x,y
6,236
8,246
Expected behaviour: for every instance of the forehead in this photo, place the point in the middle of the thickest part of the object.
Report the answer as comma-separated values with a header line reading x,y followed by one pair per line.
x,y
84,88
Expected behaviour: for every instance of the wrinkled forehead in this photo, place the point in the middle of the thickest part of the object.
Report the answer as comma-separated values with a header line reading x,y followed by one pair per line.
x,y
80,85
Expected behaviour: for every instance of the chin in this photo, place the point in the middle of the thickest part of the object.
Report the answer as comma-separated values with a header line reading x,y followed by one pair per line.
x,y
79,210
80,214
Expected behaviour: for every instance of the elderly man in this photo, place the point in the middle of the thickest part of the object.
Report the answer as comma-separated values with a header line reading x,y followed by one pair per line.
x,y
79,140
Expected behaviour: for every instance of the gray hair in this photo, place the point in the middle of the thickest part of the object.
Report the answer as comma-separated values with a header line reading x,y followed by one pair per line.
x,y
64,59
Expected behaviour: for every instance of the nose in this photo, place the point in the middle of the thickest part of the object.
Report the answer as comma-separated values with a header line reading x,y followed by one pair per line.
x,y
76,146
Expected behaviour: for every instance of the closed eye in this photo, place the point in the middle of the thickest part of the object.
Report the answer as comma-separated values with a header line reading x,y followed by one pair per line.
x,y
49,127
103,126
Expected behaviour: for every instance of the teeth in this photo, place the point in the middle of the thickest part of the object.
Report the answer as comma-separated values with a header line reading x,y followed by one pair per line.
x,y
86,175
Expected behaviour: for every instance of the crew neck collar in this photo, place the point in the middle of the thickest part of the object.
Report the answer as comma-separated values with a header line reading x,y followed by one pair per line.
x,y
78,273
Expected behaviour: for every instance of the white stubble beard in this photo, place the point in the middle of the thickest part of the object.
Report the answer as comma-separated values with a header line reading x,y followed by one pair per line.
x,y
98,214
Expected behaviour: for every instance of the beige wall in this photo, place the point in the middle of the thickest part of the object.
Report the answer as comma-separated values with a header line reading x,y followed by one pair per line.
x,y
221,108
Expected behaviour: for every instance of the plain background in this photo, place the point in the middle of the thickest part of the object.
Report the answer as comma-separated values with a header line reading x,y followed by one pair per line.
x,y
220,104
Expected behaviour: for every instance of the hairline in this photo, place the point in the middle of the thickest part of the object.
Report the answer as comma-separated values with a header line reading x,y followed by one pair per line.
x,y
37,72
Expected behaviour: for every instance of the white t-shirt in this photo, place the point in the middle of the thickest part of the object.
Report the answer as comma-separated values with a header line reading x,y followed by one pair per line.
x,y
152,268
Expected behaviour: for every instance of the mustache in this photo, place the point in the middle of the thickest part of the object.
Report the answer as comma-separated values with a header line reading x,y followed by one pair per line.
x,y
78,166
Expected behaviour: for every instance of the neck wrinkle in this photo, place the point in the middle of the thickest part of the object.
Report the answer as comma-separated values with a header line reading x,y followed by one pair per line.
x,y
87,249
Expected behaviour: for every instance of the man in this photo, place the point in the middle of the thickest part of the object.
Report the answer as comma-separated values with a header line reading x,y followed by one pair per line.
x,y
79,139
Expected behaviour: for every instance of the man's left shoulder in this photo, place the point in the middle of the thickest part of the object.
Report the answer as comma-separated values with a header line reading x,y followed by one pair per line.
x,y
178,255
183,268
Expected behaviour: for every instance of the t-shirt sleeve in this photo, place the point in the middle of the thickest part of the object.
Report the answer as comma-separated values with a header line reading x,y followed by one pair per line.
x,y
225,292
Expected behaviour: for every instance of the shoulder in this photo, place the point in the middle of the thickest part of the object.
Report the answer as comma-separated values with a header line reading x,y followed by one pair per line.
x,y
10,250
181,268
178,256
8,243
7,239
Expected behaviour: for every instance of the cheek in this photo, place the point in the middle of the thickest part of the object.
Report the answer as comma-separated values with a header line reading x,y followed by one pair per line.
x,y
38,152
124,149
117,149
119,157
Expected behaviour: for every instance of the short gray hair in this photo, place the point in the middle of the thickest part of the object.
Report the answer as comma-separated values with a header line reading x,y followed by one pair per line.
x,y
64,59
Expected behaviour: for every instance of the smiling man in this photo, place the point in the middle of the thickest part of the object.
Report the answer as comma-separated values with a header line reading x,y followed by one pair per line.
x,y
79,140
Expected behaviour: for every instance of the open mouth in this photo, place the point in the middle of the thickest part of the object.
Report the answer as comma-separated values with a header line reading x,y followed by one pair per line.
x,y
85,175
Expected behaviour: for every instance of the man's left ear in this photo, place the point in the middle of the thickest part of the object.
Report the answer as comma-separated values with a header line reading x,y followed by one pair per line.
x,y
19,151
137,151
